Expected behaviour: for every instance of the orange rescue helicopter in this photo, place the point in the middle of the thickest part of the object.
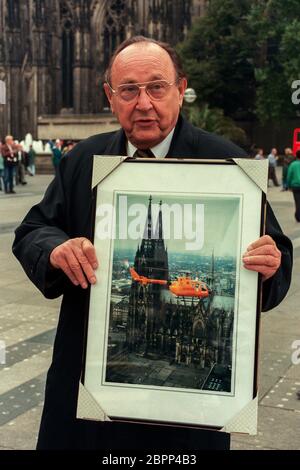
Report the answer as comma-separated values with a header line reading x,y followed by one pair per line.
x,y
183,286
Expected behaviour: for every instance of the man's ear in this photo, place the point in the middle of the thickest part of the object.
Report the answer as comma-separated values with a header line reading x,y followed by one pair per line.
x,y
182,87
108,93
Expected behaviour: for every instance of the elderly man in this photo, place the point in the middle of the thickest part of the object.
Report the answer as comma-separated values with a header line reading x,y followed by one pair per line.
x,y
145,85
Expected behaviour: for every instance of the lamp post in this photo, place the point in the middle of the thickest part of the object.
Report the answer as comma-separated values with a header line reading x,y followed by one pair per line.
x,y
189,95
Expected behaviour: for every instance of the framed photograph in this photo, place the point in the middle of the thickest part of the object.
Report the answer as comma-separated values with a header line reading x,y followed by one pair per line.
x,y
172,327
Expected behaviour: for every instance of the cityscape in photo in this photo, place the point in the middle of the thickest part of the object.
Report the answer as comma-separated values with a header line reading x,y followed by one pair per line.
x,y
171,318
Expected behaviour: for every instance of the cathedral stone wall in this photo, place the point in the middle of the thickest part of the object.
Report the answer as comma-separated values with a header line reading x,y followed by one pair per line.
x,y
53,53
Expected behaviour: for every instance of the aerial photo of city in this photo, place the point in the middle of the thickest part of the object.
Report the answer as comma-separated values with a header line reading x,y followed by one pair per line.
x,y
172,311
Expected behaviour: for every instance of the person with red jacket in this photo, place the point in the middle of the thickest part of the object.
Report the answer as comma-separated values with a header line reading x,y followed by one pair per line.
x,y
9,153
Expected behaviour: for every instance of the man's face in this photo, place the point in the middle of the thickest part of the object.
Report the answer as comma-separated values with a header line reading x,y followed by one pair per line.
x,y
145,121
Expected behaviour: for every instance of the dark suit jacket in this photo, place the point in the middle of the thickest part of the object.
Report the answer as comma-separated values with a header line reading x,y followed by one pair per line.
x,y
66,212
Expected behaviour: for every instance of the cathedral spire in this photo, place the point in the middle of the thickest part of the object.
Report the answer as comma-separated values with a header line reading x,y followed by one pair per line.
x,y
160,229
148,227
159,225
213,269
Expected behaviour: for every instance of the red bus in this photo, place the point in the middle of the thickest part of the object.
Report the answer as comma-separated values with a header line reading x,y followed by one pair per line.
x,y
296,141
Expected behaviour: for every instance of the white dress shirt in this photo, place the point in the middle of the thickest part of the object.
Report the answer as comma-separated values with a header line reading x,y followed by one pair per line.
x,y
160,150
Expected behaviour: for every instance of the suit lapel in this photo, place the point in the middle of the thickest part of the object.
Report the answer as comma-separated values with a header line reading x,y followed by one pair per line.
x,y
182,142
116,145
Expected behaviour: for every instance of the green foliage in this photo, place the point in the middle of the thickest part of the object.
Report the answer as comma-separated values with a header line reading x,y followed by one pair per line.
x,y
213,120
290,50
243,56
218,56
277,61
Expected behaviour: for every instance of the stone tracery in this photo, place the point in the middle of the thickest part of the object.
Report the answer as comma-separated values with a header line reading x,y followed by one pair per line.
x,y
65,46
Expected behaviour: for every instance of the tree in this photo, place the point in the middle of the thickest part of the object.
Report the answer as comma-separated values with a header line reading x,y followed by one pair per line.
x,y
243,56
277,57
218,56
213,120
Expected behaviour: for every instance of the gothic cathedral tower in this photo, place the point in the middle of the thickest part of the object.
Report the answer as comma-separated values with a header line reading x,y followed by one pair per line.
x,y
146,307
53,53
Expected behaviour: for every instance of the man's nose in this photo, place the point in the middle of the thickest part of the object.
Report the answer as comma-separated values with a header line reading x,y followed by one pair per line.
x,y
143,101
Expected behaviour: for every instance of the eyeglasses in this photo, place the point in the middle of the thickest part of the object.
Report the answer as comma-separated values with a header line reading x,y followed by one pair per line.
x,y
157,89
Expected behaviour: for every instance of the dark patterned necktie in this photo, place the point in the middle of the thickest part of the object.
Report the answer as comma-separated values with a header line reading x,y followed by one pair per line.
x,y
145,153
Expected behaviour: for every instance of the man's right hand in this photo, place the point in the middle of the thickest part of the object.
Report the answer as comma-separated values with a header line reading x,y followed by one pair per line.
x,y
77,259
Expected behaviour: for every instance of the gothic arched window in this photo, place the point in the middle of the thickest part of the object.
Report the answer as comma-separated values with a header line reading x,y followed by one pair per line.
x,y
39,12
13,13
67,67
114,28
67,57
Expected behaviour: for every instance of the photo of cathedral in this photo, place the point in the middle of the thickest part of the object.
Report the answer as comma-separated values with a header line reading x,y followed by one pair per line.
x,y
172,310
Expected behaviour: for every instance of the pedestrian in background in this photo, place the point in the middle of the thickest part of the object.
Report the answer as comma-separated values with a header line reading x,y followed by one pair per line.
x,y
68,147
272,157
21,165
287,159
1,170
293,182
259,155
31,161
253,151
56,154
9,153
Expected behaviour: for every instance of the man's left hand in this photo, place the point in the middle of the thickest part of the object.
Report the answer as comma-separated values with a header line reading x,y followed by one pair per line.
x,y
263,256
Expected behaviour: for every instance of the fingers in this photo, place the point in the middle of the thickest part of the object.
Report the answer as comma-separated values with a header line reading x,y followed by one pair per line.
x,y
264,240
263,260
83,266
77,259
90,252
268,255
263,256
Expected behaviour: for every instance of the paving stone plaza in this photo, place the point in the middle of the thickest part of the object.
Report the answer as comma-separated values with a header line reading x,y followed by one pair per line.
x,y
28,323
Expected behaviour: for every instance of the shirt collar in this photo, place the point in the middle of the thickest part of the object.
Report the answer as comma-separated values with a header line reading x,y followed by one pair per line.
x,y
160,150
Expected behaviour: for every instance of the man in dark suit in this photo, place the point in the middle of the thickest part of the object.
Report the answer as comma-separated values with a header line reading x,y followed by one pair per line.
x,y
145,85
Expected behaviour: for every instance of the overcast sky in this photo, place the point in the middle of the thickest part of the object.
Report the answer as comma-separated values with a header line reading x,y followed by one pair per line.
x,y
217,219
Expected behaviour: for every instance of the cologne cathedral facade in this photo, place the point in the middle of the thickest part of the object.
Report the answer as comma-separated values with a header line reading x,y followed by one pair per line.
x,y
53,53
